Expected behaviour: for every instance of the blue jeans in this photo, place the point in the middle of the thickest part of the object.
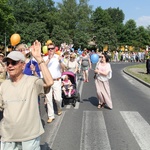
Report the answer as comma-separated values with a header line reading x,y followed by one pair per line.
x,y
33,144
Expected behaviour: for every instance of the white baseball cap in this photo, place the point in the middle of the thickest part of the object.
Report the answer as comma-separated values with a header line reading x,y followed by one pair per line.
x,y
15,55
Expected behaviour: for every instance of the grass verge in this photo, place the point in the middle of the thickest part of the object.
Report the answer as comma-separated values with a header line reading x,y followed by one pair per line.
x,y
139,71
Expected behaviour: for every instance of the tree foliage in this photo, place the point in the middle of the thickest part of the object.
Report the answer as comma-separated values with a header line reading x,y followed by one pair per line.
x,y
70,21
7,19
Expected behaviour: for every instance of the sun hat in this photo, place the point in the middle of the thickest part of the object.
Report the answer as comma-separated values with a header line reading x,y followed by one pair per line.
x,y
15,55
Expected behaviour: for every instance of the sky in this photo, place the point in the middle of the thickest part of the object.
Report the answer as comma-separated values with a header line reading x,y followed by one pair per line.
x,y
138,10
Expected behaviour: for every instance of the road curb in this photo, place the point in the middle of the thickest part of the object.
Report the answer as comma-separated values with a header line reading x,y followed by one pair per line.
x,y
141,81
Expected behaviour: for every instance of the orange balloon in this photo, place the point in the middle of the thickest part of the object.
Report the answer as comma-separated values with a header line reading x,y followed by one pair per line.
x,y
15,39
58,52
48,42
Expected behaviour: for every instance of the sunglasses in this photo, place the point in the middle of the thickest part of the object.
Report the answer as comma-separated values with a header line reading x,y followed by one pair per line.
x,y
22,50
51,48
13,63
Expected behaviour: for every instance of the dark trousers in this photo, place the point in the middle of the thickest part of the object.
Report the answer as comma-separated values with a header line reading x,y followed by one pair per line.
x,y
148,66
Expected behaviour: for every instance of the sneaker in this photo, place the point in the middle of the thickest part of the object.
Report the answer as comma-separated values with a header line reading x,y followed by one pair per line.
x,y
59,113
50,120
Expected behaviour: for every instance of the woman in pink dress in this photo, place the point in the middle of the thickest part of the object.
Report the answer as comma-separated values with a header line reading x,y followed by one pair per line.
x,y
103,73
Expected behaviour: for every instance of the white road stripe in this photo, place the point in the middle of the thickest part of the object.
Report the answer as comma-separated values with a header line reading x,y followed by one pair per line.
x,y
77,105
68,106
139,128
52,130
94,134
80,92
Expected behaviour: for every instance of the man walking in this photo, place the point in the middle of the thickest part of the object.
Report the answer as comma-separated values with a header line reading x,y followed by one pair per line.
x,y
55,66
21,125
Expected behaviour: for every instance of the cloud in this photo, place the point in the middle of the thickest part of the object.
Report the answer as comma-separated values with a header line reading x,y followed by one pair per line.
x,y
143,21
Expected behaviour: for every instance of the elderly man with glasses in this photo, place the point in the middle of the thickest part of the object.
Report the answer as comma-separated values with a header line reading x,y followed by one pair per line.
x,y
21,125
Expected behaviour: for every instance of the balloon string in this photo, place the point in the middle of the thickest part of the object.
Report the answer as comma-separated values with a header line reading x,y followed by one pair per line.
x,y
14,48
31,64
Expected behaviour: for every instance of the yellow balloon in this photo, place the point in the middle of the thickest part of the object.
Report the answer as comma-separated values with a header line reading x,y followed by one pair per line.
x,y
44,49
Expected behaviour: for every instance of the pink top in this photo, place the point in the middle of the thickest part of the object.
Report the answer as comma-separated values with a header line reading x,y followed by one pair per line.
x,y
106,68
66,82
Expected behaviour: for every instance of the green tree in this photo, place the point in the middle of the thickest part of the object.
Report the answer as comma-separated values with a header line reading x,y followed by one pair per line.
x,y
142,37
68,16
34,19
7,19
103,29
117,16
129,33
59,35
100,19
106,36
73,22
83,26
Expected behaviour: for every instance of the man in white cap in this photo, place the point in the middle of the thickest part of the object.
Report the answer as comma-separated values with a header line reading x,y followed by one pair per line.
x,y
21,125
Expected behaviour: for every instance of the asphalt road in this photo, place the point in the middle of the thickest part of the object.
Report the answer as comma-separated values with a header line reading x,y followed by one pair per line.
x,y
85,127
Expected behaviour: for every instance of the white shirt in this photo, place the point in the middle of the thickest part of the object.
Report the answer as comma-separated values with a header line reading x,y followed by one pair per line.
x,y
54,66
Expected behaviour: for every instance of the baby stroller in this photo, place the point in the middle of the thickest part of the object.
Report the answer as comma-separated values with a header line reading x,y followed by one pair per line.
x,y
75,95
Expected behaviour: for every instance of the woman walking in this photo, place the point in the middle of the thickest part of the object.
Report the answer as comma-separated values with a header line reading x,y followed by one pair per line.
x,y
85,65
72,64
103,73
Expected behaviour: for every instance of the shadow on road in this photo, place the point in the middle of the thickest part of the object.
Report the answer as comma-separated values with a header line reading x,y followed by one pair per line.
x,y
92,100
45,147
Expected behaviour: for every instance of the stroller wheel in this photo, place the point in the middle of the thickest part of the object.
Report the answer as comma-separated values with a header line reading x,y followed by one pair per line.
x,y
74,102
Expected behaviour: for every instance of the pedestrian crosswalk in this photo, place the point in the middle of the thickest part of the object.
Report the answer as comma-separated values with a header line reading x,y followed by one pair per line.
x,y
93,128
94,134
138,127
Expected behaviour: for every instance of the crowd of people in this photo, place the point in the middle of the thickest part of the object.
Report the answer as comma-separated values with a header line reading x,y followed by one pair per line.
x,y
128,56
29,72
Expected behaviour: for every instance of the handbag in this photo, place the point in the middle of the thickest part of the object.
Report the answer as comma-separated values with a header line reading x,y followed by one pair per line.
x,y
95,75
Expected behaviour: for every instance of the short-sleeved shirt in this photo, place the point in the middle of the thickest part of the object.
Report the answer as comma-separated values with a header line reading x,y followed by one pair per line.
x,y
54,66
21,121
106,67
71,66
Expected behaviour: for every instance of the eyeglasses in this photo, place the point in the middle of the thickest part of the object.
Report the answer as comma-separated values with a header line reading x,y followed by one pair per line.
x,y
101,57
51,48
21,50
13,63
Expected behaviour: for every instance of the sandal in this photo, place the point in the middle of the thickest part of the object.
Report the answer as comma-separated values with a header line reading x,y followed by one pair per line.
x,y
100,106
